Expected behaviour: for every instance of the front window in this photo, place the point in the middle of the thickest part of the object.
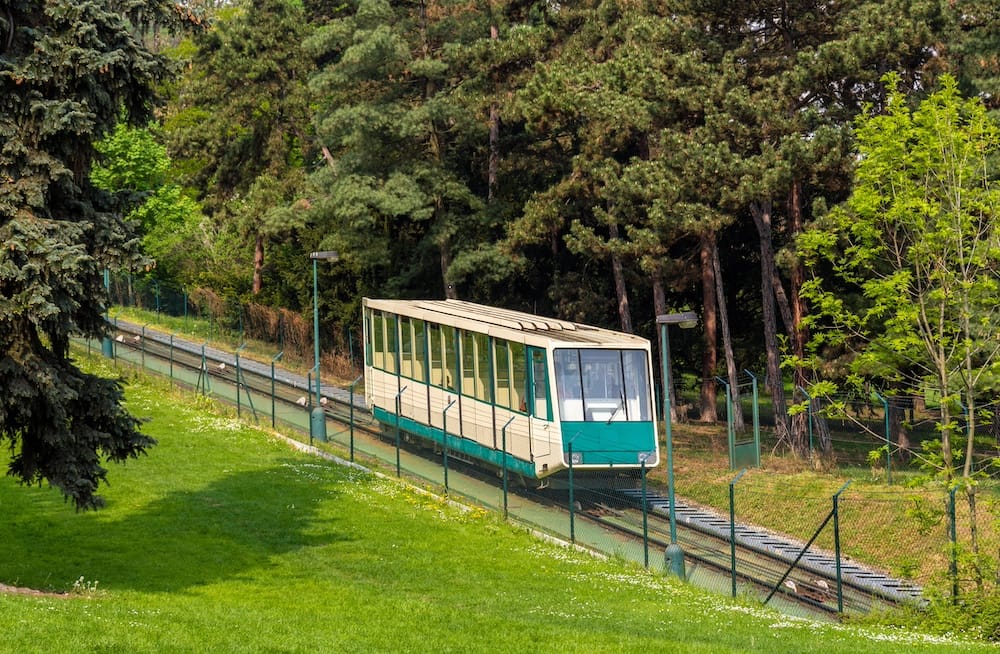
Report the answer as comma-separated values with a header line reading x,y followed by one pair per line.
x,y
603,385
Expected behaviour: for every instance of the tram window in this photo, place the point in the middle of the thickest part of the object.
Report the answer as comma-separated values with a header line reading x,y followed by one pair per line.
x,y
603,385
368,337
405,347
540,391
601,371
518,378
450,358
569,386
636,385
502,358
468,364
391,350
378,340
568,382
436,352
419,352
484,387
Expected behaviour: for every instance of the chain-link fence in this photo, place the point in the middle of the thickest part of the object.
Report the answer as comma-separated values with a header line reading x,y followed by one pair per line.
x,y
831,550
232,321
945,542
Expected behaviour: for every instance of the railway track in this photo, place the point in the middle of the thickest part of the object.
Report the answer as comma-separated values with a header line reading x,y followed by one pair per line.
x,y
762,558
765,562
216,368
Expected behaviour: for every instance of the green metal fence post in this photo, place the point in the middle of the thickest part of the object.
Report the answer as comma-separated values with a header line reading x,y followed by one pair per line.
x,y
730,431
503,447
203,373
275,358
351,421
953,537
444,439
107,345
756,418
836,545
572,526
645,515
237,381
732,527
399,404
171,360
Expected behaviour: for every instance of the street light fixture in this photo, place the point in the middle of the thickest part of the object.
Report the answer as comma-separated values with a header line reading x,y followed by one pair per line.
x,y
317,419
685,320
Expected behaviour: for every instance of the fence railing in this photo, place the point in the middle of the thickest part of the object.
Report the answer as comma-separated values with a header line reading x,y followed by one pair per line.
x,y
947,544
205,314
942,545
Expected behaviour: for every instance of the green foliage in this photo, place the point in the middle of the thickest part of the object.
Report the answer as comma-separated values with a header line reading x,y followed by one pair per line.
x,y
976,617
68,72
130,159
239,129
134,166
402,124
916,247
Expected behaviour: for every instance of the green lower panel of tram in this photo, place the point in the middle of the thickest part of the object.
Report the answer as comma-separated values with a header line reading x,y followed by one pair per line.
x,y
457,443
610,444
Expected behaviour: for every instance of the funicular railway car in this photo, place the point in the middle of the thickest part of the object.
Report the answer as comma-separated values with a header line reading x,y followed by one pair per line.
x,y
512,389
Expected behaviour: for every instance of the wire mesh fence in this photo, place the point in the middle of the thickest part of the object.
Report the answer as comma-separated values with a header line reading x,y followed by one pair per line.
x,y
945,543
229,319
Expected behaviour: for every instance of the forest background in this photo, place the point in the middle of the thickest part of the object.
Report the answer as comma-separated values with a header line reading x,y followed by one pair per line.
x,y
604,162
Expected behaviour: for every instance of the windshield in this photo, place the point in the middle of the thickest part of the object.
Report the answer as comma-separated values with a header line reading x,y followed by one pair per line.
x,y
602,385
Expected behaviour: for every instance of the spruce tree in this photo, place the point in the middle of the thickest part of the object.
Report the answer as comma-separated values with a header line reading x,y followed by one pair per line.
x,y
68,71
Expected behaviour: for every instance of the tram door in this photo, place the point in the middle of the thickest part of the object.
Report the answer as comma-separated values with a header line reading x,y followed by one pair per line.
x,y
544,434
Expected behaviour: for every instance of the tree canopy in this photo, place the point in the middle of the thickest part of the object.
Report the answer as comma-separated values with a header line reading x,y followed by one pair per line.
x,y
904,274
68,72
606,160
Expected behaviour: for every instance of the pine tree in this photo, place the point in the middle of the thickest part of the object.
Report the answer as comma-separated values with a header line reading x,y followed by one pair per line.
x,y
398,191
68,71
241,126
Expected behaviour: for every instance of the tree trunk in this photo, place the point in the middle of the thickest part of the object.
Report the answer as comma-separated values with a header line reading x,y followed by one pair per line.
x,y
782,303
709,357
727,341
258,264
621,290
660,308
796,331
493,163
659,294
449,289
897,429
761,212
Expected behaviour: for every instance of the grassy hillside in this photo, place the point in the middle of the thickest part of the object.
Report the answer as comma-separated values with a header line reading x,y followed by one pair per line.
x,y
225,540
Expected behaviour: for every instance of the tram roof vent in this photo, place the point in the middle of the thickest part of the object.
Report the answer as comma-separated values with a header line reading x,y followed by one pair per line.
x,y
497,316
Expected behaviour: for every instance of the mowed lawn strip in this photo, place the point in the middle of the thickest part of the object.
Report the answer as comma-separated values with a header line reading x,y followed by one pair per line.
x,y
223,539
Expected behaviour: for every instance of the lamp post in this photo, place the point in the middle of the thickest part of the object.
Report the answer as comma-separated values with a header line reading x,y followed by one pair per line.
x,y
685,320
107,345
317,418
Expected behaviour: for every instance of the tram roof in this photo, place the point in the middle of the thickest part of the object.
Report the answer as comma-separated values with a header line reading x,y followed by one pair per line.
x,y
454,312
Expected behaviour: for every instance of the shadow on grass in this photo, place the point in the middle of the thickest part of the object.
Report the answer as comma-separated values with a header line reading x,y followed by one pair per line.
x,y
227,529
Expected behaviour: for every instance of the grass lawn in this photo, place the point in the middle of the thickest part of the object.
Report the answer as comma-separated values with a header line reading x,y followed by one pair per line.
x,y
224,539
